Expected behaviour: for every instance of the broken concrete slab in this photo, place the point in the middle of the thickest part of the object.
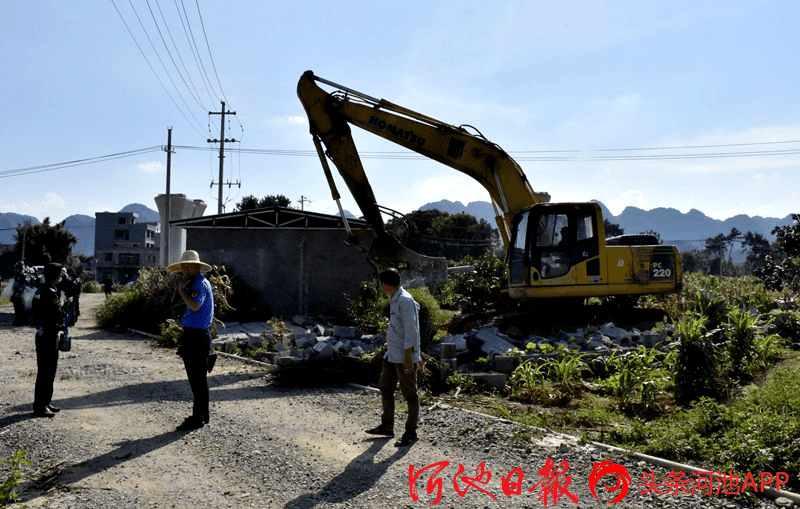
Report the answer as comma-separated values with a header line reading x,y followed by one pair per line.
x,y
492,342
494,380
346,332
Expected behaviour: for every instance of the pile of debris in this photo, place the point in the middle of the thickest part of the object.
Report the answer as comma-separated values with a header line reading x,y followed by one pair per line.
x,y
306,342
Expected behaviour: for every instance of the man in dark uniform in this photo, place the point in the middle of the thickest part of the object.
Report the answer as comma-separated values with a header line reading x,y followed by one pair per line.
x,y
49,319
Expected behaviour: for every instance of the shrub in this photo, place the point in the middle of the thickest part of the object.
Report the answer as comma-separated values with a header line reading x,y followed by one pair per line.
x,y
13,467
153,299
369,309
431,316
91,287
480,291
170,334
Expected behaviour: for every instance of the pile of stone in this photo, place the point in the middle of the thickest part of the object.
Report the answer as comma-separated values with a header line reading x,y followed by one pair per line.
x,y
303,339
504,353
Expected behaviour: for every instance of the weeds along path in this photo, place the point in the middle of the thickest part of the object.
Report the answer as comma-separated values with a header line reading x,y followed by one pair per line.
x,y
114,442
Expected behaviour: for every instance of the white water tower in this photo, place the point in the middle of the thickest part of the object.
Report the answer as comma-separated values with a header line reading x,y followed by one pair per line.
x,y
174,238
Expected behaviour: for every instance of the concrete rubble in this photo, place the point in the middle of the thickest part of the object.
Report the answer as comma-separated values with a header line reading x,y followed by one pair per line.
x,y
303,339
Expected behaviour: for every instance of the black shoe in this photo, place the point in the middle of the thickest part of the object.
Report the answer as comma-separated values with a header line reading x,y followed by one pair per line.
x,y
190,423
408,438
381,430
45,412
53,409
212,359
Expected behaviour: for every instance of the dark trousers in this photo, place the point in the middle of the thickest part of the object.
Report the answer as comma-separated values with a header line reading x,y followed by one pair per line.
x,y
46,365
391,374
195,347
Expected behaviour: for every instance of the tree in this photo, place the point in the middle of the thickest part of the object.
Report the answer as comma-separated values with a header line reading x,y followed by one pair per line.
x,y
695,260
272,200
781,267
42,243
731,238
715,247
612,229
757,247
437,233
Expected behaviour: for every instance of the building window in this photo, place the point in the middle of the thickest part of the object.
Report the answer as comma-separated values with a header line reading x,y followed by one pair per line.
x,y
129,260
121,234
109,257
121,220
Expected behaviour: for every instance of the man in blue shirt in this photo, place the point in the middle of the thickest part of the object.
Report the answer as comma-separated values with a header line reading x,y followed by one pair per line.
x,y
195,346
400,361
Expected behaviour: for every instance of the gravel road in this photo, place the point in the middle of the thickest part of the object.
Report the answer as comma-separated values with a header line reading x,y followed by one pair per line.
x,y
114,442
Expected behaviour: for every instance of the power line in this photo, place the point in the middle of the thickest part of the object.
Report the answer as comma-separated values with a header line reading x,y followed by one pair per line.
x,y
77,162
406,155
152,69
208,47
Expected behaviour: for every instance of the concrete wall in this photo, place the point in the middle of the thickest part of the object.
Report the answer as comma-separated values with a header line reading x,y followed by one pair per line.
x,y
293,271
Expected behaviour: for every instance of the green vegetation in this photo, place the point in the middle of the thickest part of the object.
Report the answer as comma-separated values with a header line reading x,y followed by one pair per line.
x,y
12,469
369,310
92,287
153,299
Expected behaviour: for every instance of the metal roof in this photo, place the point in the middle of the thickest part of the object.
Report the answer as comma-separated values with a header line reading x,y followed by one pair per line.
x,y
272,217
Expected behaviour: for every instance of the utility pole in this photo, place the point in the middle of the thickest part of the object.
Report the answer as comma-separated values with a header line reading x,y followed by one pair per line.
x,y
221,142
165,227
302,201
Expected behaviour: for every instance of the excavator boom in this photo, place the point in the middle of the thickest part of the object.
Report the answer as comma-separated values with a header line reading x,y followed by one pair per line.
x,y
330,114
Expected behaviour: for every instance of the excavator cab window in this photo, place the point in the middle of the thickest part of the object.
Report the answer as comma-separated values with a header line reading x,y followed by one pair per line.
x,y
553,245
517,255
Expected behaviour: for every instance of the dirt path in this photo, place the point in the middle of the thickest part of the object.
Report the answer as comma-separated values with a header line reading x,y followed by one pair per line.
x,y
114,443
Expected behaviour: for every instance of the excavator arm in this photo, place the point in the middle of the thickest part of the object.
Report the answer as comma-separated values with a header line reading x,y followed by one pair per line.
x,y
330,115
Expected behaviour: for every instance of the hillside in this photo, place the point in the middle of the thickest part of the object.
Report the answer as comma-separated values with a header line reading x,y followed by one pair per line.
x,y
687,230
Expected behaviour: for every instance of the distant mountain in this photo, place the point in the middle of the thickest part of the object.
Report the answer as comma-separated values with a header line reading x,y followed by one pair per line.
x,y
479,209
82,227
8,225
686,230
146,214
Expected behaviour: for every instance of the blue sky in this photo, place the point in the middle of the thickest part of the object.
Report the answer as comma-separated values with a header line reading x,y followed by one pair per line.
x,y
689,105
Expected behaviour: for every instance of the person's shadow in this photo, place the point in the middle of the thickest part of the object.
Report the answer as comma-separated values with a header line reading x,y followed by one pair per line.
x,y
124,451
358,476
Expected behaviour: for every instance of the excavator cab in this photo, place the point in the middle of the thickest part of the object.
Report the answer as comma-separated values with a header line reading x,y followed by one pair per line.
x,y
560,250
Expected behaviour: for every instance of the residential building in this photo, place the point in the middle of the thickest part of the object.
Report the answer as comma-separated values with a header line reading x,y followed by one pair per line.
x,y
122,245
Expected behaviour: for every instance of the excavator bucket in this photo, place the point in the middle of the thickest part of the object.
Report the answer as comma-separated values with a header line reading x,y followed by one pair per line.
x,y
415,269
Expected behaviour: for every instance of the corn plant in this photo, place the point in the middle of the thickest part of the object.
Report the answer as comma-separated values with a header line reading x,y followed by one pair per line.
x,y
566,367
637,375
694,372
529,375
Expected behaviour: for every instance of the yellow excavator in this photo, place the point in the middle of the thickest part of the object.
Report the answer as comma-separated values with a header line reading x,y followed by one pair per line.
x,y
553,249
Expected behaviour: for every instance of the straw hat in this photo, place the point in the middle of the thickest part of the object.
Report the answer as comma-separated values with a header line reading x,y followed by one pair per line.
x,y
189,257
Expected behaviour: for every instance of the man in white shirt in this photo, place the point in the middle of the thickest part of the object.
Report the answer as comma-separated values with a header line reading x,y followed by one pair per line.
x,y
400,361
